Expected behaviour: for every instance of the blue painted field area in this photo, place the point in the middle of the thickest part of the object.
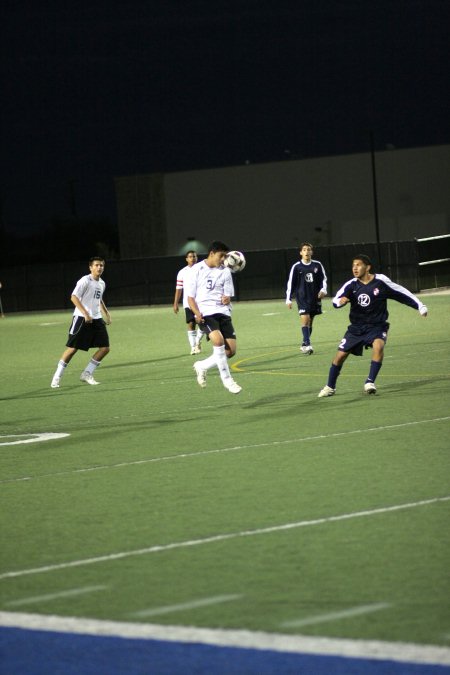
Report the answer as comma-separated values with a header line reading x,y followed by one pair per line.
x,y
22,653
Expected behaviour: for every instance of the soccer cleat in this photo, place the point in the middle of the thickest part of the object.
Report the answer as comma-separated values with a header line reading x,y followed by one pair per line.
x,y
232,386
326,391
56,383
370,388
306,349
201,374
87,377
196,350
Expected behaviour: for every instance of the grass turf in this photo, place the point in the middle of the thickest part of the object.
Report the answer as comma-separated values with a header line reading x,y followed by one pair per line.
x,y
153,460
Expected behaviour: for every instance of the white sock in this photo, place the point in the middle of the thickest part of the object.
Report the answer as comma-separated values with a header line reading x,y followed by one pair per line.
x,y
199,336
210,362
91,366
59,372
191,337
222,362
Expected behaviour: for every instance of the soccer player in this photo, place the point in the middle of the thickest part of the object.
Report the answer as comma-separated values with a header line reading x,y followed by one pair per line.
x,y
88,327
210,289
367,294
194,335
307,283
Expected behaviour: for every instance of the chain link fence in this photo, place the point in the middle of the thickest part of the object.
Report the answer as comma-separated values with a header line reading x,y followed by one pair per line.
x,y
419,264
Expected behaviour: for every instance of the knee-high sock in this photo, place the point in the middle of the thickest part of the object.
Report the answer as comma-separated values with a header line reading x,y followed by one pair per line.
x,y
91,366
60,369
222,362
333,375
208,363
306,334
374,370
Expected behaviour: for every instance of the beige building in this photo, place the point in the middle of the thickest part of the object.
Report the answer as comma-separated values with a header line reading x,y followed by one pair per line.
x,y
327,200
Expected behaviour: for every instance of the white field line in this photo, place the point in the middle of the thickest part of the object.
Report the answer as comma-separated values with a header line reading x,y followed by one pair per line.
x,y
168,609
235,448
295,644
220,537
36,438
332,616
54,596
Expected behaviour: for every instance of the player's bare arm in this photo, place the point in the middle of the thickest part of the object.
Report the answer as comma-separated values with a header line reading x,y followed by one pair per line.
x,y
106,314
176,301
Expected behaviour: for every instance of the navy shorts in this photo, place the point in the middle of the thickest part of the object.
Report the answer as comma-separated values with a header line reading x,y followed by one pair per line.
x,y
311,308
84,335
220,322
358,338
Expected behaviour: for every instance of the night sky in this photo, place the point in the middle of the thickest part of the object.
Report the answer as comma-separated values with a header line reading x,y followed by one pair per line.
x,y
101,89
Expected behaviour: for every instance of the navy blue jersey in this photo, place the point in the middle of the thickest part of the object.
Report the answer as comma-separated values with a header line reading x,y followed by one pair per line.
x,y
305,282
369,301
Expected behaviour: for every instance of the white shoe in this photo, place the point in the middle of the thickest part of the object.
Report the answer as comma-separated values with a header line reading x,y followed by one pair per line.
x,y
201,374
370,388
232,386
55,383
306,349
196,350
326,391
87,377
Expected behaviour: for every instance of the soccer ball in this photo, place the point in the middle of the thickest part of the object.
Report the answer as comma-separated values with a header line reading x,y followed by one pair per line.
x,y
235,261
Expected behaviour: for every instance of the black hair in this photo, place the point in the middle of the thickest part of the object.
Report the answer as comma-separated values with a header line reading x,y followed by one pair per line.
x,y
216,246
95,257
364,258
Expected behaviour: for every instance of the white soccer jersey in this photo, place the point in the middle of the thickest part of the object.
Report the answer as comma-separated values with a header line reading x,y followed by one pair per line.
x,y
181,283
89,292
207,285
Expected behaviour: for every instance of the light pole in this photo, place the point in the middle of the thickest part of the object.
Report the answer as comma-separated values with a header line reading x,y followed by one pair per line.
x,y
375,199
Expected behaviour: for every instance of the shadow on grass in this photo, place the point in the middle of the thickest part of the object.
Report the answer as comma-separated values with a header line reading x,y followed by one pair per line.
x,y
411,387
144,362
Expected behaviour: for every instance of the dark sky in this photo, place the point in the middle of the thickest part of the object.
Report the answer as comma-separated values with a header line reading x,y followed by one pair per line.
x,y
92,90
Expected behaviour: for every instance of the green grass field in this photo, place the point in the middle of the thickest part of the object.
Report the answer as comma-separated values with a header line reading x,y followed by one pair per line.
x,y
271,510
